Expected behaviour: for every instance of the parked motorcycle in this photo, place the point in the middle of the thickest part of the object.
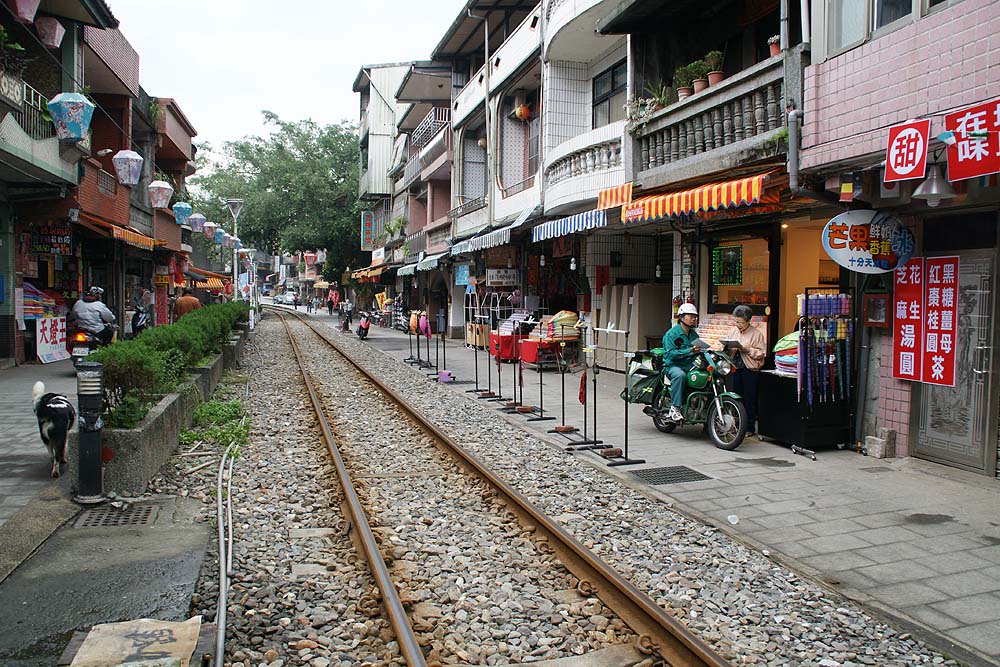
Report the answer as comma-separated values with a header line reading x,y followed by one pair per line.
x,y
83,343
364,324
140,322
707,402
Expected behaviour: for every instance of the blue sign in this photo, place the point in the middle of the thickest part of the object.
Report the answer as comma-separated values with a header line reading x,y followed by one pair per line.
x,y
868,241
461,274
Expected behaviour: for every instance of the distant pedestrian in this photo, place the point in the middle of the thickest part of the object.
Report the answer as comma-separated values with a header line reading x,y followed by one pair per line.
x,y
186,304
309,305
348,312
295,300
329,304
315,304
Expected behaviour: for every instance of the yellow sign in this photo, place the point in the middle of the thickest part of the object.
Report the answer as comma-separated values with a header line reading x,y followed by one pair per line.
x,y
161,279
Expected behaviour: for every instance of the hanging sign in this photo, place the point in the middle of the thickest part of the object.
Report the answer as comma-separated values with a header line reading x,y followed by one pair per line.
x,y
908,321
906,156
461,274
974,148
367,230
52,238
868,241
50,339
378,256
941,322
502,277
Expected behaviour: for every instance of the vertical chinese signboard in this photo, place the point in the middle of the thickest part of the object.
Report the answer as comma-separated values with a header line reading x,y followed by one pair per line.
x,y
367,230
976,151
908,321
51,339
940,299
926,318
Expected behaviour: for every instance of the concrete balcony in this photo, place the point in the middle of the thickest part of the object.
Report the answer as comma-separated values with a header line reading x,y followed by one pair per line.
x,y
580,168
736,122
469,216
433,161
436,120
579,16
29,141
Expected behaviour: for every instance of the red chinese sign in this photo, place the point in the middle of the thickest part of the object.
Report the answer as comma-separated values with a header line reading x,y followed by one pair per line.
x,y
906,156
976,151
925,325
367,230
908,321
940,325
50,341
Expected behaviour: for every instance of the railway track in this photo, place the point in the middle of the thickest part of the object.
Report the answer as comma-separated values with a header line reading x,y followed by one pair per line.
x,y
393,484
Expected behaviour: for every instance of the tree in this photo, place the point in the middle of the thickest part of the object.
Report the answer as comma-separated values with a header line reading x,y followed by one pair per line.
x,y
299,185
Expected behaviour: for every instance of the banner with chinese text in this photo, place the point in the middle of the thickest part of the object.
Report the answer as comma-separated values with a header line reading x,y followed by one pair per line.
x,y
908,321
940,300
51,339
976,151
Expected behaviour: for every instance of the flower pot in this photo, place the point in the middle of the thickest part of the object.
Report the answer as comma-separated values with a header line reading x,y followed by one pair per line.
x,y
699,85
715,77
775,48
684,91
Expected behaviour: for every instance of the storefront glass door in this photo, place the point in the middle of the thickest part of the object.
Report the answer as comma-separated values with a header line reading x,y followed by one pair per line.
x,y
957,424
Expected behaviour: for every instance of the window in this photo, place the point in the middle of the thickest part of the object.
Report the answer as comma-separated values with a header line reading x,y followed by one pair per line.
x,y
740,271
609,95
852,21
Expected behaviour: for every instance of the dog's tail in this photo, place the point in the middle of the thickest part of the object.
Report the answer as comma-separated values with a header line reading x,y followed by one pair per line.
x,y
37,391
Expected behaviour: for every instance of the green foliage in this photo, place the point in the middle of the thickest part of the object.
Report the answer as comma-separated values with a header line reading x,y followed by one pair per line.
x,y
714,60
128,413
222,422
300,185
13,58
683,77
660,93
699,70
217,412
131,368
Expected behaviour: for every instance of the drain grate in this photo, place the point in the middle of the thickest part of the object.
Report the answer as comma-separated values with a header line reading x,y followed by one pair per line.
x,y
670,475
103,517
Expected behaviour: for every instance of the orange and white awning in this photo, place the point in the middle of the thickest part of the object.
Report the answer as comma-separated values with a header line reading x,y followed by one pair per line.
x,y
134,239
712,197
212,284
616,196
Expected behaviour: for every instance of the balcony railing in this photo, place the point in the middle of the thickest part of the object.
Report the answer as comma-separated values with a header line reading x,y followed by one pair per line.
x,y
425,156
106,183
30,118
467,207
599,157
526,184
435,121
743,107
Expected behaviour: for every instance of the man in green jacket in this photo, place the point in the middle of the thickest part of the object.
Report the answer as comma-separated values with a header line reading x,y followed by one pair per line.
x,y
679,353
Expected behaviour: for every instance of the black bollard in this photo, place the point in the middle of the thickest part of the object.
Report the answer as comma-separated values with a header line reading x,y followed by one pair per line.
x,y
90,400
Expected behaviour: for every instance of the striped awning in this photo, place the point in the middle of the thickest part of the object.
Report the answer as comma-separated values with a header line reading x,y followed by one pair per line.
x,y
711,197
407,270
430,263
134,238
580,222
461,247
616,196
212,284
495,238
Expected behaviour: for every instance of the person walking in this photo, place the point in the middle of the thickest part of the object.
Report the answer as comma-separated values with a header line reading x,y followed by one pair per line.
x,y
748,357
188,303
315,304
348,313
295,300
329,303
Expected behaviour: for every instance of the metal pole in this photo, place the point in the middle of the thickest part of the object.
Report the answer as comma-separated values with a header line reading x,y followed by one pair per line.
x,y
625,460
90,401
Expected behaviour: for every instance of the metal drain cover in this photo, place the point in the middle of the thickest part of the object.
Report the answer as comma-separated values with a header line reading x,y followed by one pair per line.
x,y
106,516
670,475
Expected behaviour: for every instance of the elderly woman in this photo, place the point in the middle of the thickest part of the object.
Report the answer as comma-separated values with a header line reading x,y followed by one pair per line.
x,y
748,358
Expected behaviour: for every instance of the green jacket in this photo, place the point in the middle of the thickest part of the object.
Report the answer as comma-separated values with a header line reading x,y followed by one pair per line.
x,y
677,347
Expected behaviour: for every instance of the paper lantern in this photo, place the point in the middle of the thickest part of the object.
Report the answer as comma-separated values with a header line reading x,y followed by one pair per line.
x,y
182,211
197,222
219,237
209,230
227,239
71,114
24,10
160,193
50,31
236,243
128,166
522,112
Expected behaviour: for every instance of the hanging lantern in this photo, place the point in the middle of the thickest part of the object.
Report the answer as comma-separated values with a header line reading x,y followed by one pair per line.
x,y
522,112
481,142
183,265
219,236
209,230
236,243
197,222
128,166
24,10
182,211
160,193
71,114
50,31
227,239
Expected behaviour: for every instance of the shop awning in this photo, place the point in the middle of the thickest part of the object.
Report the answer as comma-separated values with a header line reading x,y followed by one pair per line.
x,y
407,270
499,237
430,263
376,271
118,232
194,275
321,284
614,197
580,222
212,284
712,197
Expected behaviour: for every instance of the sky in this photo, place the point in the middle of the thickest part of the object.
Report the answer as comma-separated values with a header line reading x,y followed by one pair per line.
x,y
226,60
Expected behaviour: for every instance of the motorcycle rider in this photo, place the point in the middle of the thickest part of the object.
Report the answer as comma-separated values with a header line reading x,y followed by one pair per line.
x,y
93,316
679,353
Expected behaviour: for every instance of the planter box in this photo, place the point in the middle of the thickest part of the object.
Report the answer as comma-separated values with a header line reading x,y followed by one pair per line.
x,y
208,376
232,353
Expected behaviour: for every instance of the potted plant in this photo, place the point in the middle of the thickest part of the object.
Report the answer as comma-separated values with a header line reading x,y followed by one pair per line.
x,y
774,44
638,112
660,94
699,75
714,61
682,81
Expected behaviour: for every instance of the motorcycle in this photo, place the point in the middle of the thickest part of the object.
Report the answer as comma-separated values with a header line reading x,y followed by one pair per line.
x,y
707,402
364,324
140,322
83,343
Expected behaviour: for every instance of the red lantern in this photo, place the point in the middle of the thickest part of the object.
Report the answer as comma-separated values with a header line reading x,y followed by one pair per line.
x,y
50,31
24,10
522,112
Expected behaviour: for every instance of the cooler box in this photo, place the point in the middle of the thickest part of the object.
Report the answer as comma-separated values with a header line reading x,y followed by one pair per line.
x,y
475,335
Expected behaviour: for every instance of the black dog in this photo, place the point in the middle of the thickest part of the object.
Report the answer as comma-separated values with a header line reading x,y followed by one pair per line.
x,y
56,417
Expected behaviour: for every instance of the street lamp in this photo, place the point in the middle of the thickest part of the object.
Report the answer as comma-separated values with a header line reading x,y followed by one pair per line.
x,y
235,206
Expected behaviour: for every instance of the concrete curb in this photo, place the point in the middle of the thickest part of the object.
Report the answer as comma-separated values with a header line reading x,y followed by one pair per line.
x,y
28,529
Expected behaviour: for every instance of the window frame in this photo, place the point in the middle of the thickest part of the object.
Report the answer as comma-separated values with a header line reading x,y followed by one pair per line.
x,y
597,100
918,10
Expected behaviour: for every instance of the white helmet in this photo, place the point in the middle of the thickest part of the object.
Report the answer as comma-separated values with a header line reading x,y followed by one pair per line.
x,y
687,309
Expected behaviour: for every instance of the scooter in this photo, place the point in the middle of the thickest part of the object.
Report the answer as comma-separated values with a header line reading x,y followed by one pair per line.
x,y
707,402
140,322
83,343
364,324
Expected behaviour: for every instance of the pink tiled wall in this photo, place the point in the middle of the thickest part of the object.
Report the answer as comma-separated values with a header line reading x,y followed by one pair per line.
x,y
948,59
893,400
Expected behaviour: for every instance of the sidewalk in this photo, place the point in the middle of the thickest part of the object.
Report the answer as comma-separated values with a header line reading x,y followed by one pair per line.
x,y
916,541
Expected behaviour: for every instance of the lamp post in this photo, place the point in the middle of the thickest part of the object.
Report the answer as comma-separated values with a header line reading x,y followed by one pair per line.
x,y
235,206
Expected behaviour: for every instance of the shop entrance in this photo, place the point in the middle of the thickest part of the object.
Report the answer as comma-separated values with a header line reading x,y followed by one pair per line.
x,y
957,425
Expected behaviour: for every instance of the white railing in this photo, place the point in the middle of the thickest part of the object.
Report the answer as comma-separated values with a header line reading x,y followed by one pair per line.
x,y
436,120
599,157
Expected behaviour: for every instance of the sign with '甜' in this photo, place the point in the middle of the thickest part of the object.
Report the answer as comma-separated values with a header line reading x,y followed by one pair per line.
x,y
868,241
906,156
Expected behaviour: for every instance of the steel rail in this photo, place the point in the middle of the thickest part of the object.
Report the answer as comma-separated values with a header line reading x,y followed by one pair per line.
x,y
398,618
658,631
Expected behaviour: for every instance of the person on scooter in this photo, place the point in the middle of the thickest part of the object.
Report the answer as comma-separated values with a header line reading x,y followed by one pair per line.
x,y
679,352
90,315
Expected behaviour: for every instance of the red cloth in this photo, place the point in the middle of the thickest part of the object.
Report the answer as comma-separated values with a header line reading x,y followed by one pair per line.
x,y
583,389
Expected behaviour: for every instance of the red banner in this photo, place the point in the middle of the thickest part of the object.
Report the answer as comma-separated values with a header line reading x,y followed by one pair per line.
x,y
941,302
908,323
976,151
